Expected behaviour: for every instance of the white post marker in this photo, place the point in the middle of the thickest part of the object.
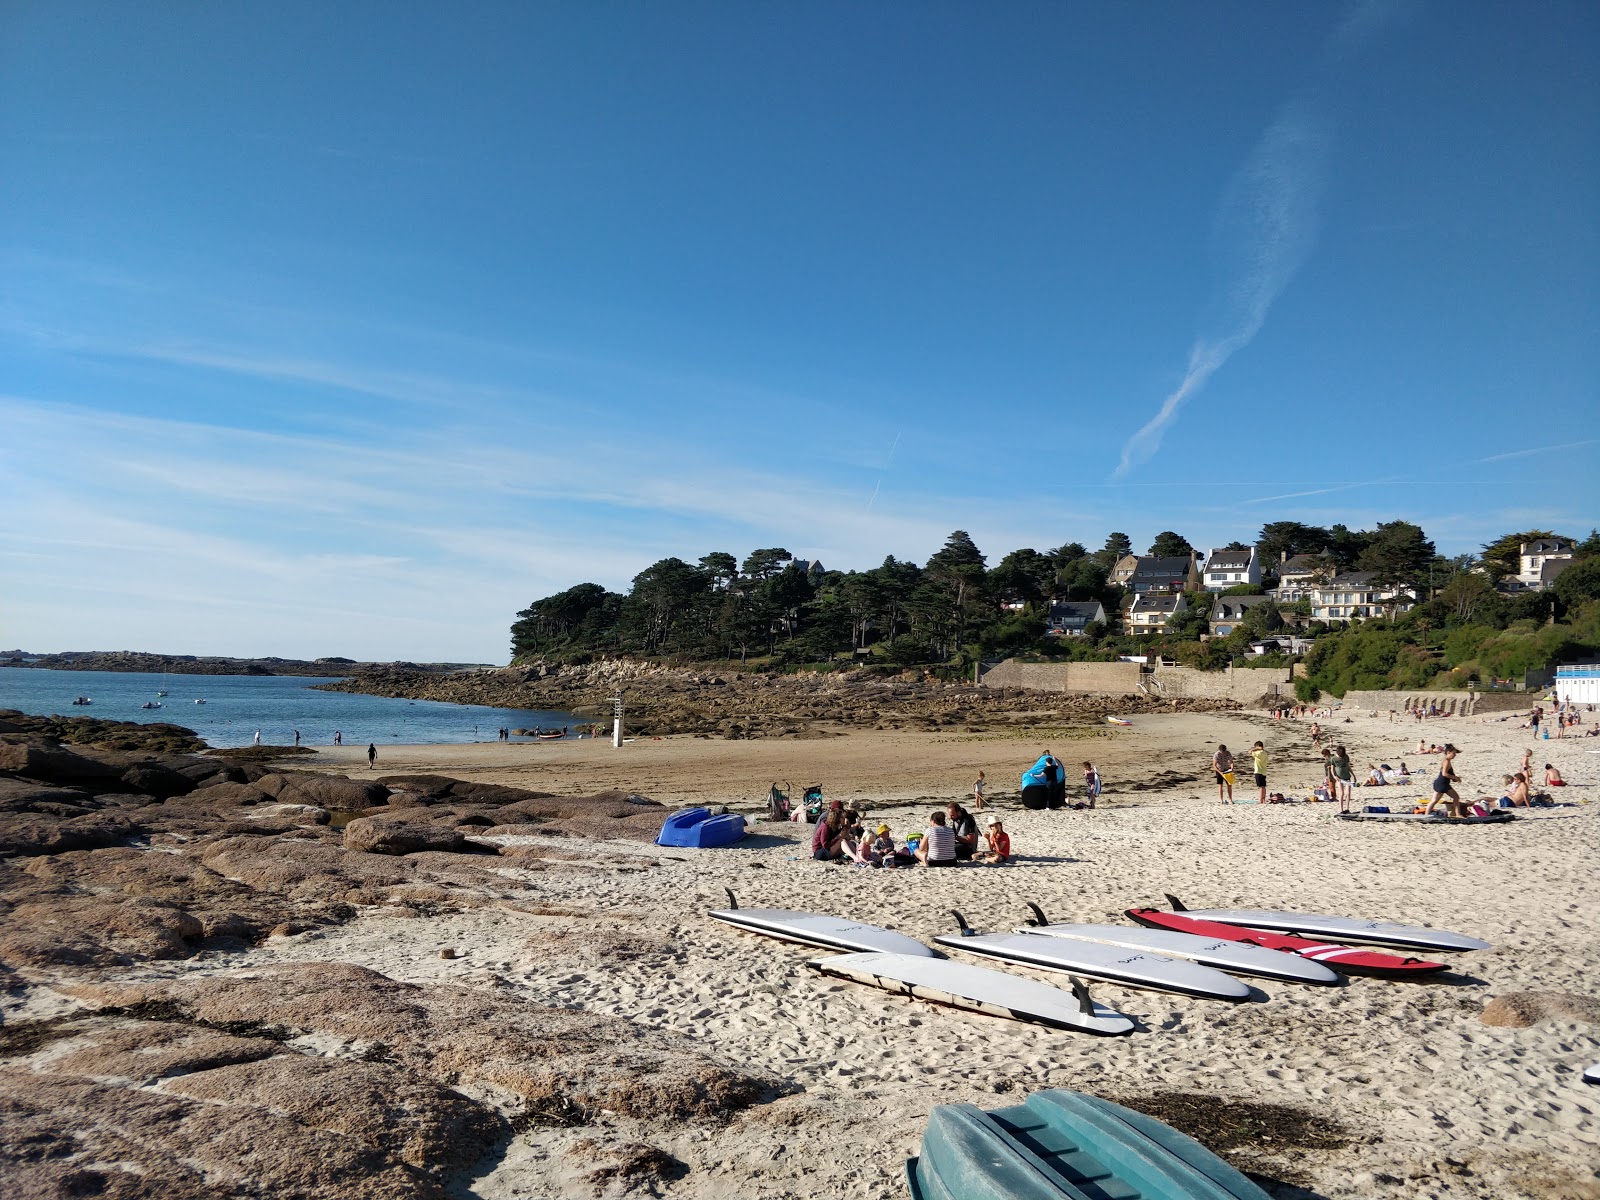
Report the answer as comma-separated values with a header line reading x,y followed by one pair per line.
x,y
616,720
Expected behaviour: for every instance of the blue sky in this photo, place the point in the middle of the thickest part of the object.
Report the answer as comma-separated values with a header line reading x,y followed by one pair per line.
x,y
351,329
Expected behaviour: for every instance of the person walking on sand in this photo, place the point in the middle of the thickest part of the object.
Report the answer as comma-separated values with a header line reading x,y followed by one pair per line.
x,y
1091,783
1444,785
1316,735
372,755
296,737
1222,768
256,741
338,737
1258,763
1343,777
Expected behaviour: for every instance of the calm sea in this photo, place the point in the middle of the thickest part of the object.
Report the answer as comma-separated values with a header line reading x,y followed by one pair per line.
x,y
236,706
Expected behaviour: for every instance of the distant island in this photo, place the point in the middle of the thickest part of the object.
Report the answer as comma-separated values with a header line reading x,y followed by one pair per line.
x,y
193,664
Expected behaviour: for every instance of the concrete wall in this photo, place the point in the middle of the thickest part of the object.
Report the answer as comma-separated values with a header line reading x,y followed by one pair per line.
x,y
1244,684
1105,679
1460,704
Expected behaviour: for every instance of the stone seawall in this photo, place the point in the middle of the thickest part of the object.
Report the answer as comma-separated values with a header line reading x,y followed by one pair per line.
x,y
1455,704
1244,685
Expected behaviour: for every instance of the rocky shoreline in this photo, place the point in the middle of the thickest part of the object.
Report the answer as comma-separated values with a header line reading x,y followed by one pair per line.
x,y
664,700
129,1065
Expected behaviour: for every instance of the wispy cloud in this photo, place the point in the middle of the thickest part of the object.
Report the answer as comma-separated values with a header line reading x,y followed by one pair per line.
x,y
1529,453
1265,228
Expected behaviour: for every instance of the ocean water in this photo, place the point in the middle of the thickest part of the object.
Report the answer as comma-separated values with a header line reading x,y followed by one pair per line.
x,y
238,705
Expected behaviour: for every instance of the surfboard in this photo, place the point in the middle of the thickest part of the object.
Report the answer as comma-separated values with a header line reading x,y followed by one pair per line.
x,y
1346,929
1497,817
816,929
1111,963
1346,960
1118,721
978,989
1223,953
1592,1074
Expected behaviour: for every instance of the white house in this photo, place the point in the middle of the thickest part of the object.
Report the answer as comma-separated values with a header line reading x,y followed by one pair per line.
x,y
1539,563
1354,597
1229,568
1297,576
1069,618
1150,612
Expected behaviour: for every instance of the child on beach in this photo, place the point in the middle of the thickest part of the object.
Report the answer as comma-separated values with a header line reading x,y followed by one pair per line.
x,y
1091,783
1258,761
998,841
1222,768
1444,785
979,785
1552,777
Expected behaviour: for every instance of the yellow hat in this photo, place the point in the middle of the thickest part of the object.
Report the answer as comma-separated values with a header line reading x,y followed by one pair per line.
x,y
883,829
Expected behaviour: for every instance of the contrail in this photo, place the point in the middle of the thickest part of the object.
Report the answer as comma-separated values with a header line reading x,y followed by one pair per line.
x,y
1265,228
886,464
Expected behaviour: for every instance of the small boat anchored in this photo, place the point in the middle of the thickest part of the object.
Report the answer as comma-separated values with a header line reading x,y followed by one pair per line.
x,y
82,700
151,704
201,700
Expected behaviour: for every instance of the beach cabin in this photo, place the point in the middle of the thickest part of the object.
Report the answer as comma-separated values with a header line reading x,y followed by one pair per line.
x,y
1578,683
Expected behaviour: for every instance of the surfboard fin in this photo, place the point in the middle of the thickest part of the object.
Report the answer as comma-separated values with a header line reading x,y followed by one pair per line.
x,y
966,930
1038,915
733,901
1085,1004
1177,905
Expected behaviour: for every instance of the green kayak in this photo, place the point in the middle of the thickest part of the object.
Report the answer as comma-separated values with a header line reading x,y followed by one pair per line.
x,y
1066,1144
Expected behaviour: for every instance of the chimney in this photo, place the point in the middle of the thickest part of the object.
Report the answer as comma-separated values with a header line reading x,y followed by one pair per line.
x,y
1283,556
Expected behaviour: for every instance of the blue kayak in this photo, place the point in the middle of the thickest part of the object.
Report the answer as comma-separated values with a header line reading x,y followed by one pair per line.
x,y
1064,1145
696,827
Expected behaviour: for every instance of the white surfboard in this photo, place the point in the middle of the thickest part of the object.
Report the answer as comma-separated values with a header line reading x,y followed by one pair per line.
x,y
979,990
1111,963
1592,1074
1220,953
816,929
1342,929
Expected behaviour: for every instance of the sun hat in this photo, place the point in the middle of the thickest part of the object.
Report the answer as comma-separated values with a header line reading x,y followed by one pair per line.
x,y
883,829
994,819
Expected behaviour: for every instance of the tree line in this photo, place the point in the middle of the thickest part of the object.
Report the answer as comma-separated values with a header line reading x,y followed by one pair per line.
x,y
955,607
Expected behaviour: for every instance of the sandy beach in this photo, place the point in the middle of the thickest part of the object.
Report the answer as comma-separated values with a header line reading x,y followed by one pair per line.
x,y
1429,1101
1381,1088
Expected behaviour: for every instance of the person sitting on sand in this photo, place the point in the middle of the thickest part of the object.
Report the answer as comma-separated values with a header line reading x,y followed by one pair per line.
x,y
1552,777
827,840
938,845
965,829
1400,775
1376,776
1519,791
998,842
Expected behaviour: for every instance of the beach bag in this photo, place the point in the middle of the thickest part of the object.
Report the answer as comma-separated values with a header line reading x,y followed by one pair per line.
x,y
1377,808
1227,777
1479,810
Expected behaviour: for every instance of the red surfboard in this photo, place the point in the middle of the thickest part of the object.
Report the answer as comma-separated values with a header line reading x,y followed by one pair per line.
x,y
1338,958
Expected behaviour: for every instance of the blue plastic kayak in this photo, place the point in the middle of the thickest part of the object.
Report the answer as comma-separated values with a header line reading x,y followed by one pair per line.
x,y
1064,1144
697,828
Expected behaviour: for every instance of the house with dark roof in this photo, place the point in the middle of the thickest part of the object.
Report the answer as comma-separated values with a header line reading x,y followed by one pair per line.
x,y
1150,612
1229,568
1540,562
1297,576
1069,618
1228,611
1162,575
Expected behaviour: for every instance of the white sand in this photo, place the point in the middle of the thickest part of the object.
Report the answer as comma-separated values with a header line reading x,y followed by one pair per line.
x,y
1440,1104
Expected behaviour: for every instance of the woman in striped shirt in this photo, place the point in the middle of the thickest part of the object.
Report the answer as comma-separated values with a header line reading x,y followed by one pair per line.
x,y
938,846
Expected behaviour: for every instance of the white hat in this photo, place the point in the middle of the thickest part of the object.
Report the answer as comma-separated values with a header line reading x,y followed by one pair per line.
x,y
991,819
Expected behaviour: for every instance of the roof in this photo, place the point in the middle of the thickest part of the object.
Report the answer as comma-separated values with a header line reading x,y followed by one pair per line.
x,y
1547,546
1088,610
1162,568
1229,560
1300,564
1228,608
1147,603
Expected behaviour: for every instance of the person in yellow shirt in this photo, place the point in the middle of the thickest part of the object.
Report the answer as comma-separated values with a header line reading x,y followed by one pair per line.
x,y
1258,760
